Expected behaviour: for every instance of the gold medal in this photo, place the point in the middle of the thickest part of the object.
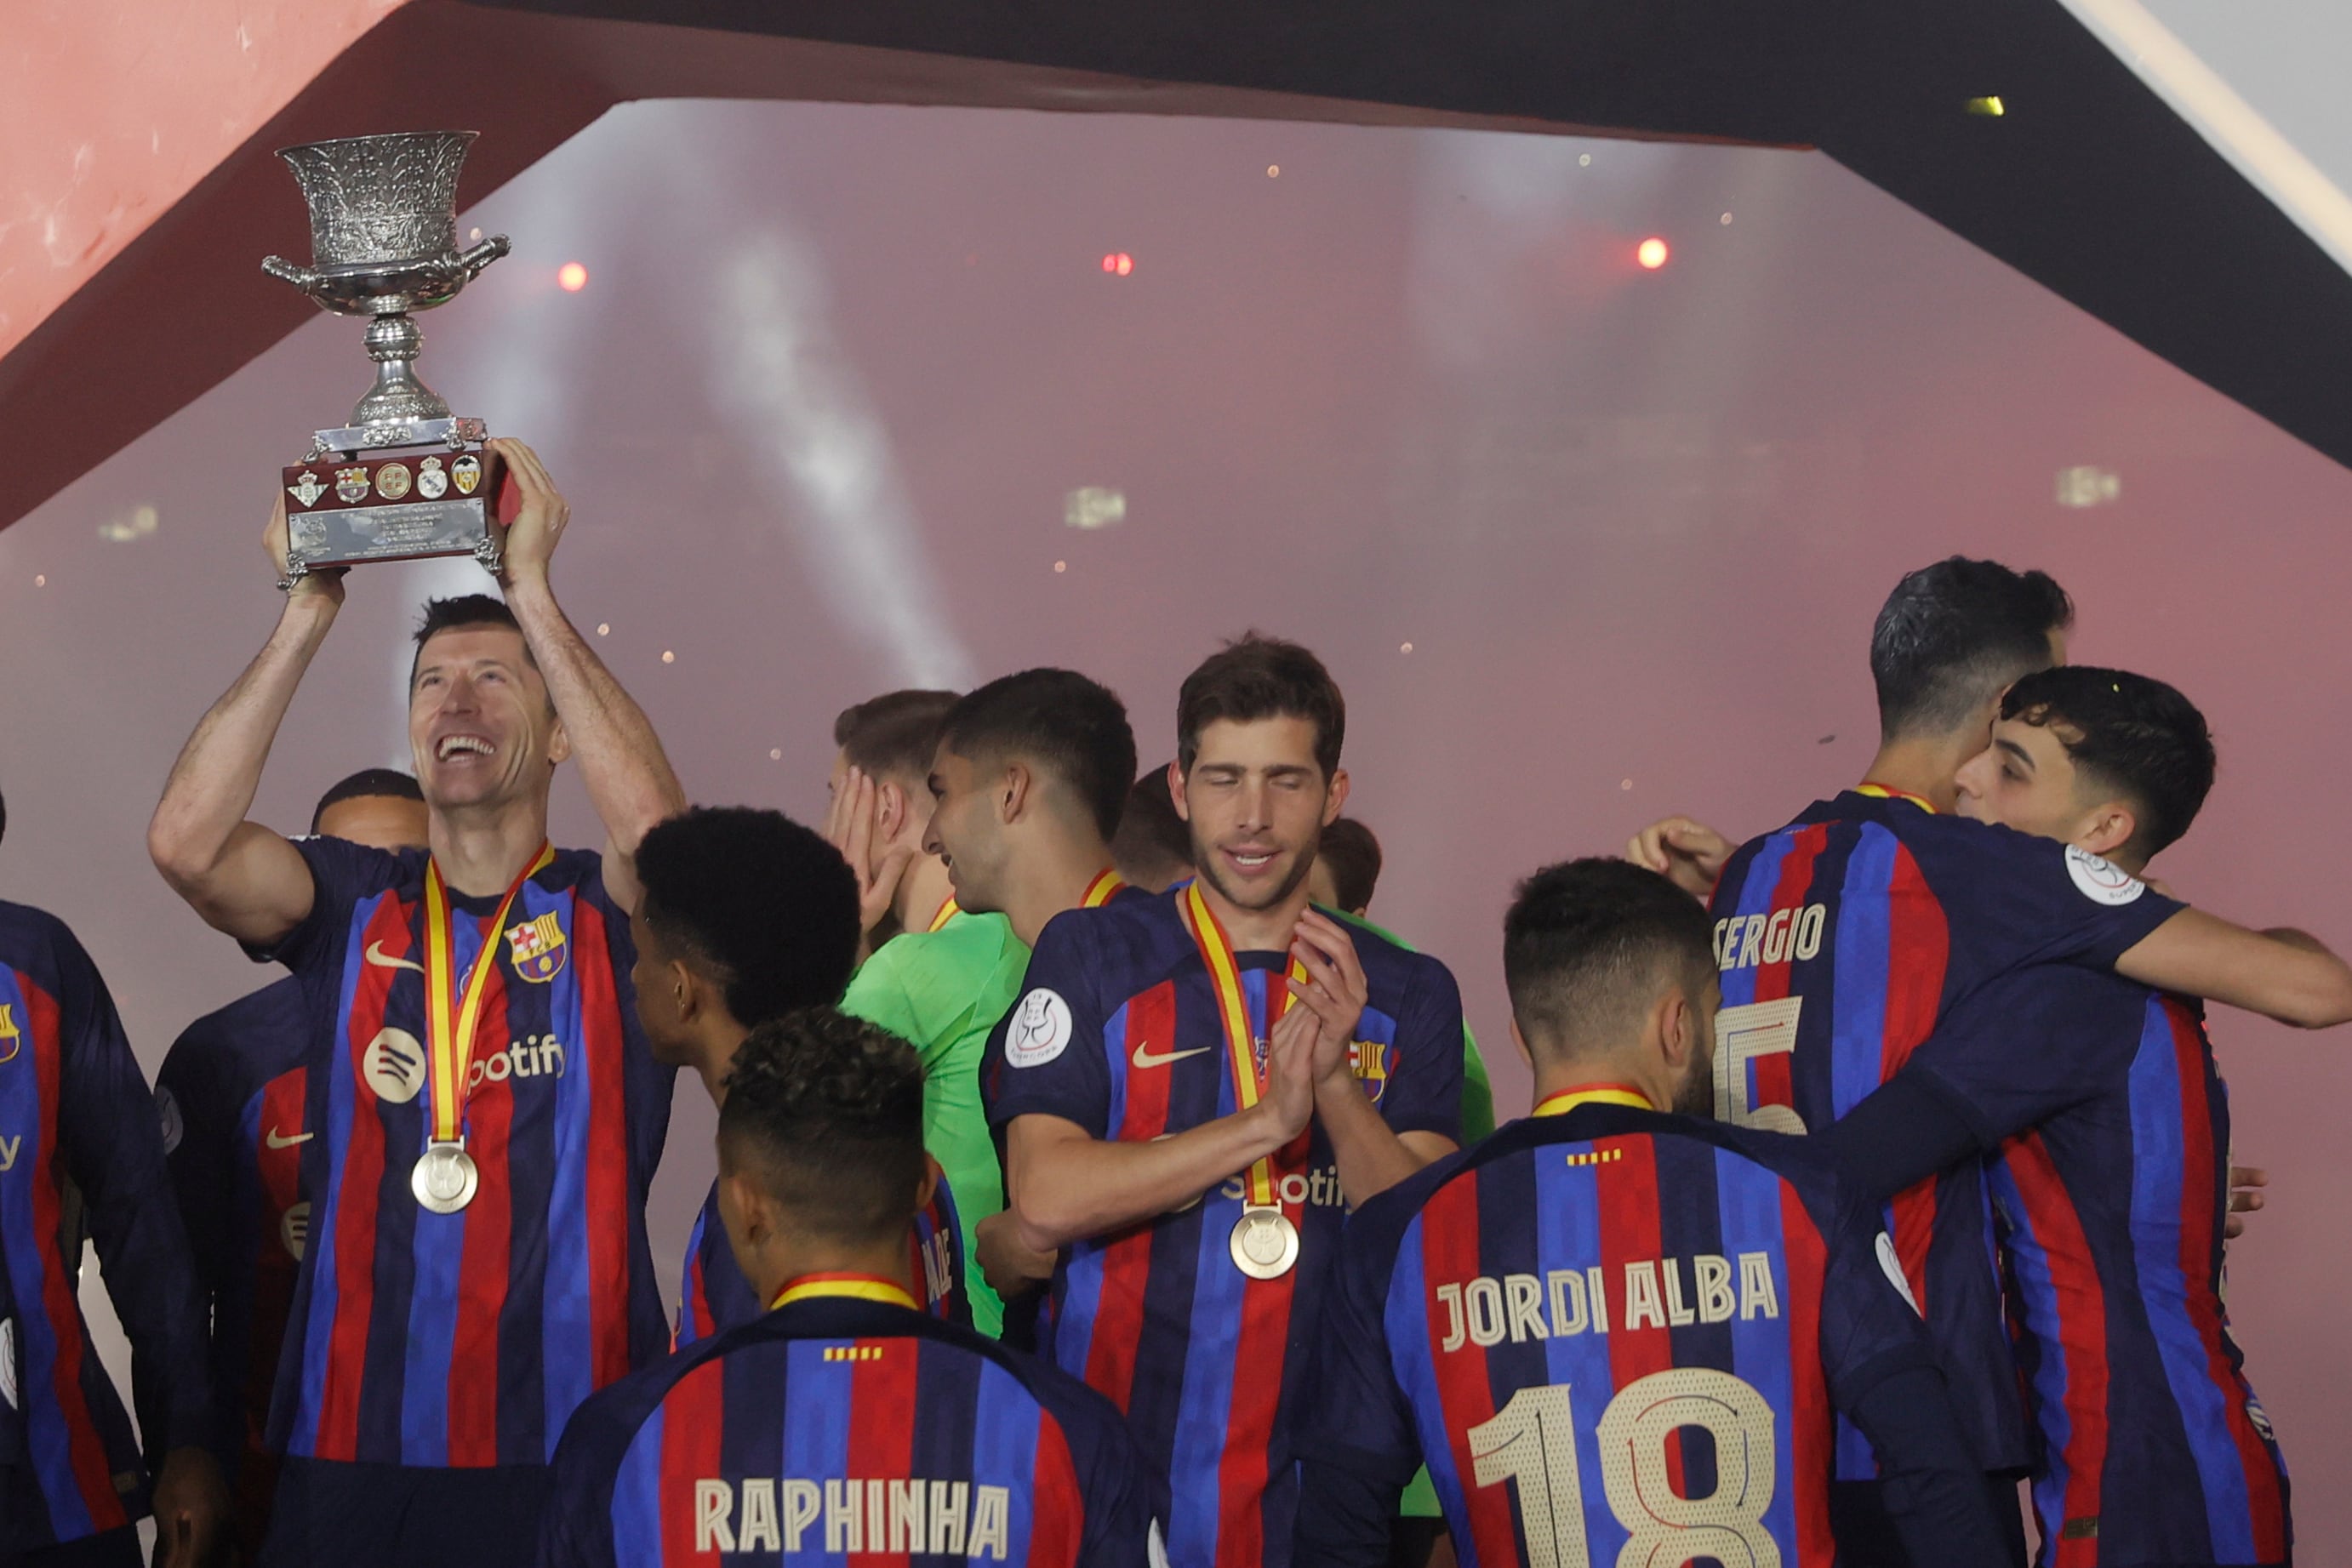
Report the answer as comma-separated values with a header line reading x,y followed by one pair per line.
x,y
1264,1243
444,1179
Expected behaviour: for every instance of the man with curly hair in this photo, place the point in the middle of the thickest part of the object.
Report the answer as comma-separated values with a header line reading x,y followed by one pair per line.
x,y
844,1420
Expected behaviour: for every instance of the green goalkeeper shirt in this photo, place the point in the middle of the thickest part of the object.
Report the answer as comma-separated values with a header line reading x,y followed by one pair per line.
x,y
942,991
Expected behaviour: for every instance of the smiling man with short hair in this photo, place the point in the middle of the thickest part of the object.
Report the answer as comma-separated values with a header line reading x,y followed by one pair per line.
x,y
487,1117
1165,1044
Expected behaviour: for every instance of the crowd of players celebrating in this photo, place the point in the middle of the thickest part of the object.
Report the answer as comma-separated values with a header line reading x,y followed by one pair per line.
x,y
1096,1184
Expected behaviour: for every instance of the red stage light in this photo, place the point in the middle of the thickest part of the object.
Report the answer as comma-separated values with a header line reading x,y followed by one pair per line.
x,y
571,277
1651,253
1118,264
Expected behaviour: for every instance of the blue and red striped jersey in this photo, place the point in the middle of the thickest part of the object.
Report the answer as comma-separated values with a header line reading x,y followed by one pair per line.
x,y
833,1427
1617,1335
232,1092
77,1122
467,1339
1842,939
1119,1031
2110,1185
715,1296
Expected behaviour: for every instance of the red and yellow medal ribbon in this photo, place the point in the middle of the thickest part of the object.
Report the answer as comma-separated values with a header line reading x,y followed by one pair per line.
x,y
1881,792
856,1287
947,912
450,1021
1567,1099
1102,890
1250,1073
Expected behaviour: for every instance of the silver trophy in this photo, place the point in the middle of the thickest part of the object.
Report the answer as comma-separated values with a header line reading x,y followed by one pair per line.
x,y
405,479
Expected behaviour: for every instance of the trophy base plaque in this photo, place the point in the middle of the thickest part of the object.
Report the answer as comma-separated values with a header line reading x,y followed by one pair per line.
x,y
355,501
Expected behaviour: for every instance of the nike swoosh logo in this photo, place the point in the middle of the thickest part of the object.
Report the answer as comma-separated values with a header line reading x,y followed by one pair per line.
x,y
275,1142
1144,1057
383,960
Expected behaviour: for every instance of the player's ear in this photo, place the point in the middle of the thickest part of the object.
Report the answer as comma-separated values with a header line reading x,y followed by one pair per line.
x,y
1677,1022
2111,828
1336,798
1176,790
889,810
1521,1041
687,987
928,1185
559,745
1012,792
743,1208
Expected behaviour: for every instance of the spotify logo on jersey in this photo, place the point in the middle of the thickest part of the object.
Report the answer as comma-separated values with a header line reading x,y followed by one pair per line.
x,y
539,1056
394,1066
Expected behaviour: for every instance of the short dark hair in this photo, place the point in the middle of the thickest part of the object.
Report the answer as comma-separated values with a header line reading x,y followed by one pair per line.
x,y
1068,725
1254,678
2128,734
764,905
457,613
1590,944
825,1113
1952,635
367,784
1152,848
1348,848
895,734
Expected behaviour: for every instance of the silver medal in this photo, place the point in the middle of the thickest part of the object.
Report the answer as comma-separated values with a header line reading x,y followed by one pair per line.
x,y
1264,1243
444,1179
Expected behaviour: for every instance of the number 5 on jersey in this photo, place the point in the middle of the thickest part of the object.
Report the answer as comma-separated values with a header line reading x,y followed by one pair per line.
x,y
1752,1047
1532,1441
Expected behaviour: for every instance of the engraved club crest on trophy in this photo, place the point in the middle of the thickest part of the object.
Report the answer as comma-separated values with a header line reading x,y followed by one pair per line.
x,y
405,479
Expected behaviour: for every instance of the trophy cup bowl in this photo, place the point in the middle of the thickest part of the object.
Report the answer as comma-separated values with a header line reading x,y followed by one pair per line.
x,y
384,244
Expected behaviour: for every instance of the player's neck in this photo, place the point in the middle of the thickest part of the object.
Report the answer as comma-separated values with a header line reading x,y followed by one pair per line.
x,y
923,887
714,1056
1052,876
2123,860
1643,1071
1924,765
1268,930
786,1260
481,849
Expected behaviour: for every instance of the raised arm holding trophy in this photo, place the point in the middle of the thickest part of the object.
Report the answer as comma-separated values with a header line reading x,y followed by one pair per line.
x,y
476,1262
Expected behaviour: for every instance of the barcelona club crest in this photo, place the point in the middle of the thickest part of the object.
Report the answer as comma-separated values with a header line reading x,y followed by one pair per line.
x,y
536,949
11,1042
1369,1060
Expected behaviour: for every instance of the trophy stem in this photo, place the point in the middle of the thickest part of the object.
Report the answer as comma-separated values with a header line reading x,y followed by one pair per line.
x,y
392,341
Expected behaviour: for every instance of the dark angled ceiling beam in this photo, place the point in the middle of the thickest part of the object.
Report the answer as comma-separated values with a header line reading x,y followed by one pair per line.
x,y
2089,183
